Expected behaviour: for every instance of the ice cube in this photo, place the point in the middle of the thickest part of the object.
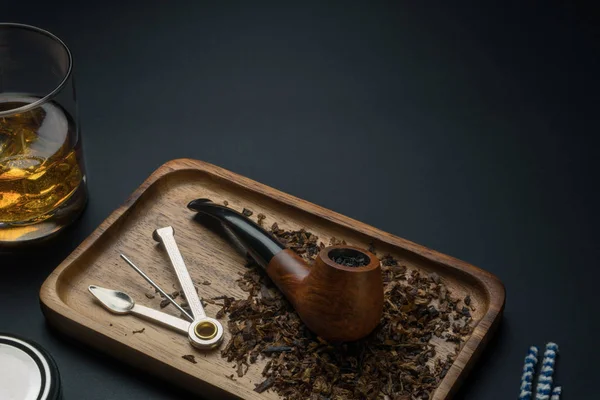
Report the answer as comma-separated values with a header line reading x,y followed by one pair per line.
x,y
7,199
17,167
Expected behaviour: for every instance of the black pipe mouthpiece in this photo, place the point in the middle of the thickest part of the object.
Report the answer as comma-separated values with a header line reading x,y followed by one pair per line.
x,y
260,244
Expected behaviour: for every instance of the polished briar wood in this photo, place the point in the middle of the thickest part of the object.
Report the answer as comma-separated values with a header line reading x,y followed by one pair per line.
x,y
288,271
337,303
340,303
161,200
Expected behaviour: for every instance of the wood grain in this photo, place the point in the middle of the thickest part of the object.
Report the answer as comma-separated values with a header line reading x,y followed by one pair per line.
x,y
160,201
340,304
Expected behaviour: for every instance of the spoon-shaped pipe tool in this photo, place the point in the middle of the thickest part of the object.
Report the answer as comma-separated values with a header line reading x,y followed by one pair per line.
x,y
121,303
203,332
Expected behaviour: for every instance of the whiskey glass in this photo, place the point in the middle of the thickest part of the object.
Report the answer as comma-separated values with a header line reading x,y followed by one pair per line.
x,y
42,174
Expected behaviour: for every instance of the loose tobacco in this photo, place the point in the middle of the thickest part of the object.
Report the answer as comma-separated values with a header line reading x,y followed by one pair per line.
x,y
397,361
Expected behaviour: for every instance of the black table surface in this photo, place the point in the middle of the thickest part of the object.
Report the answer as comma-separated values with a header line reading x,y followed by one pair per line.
x,y
473,128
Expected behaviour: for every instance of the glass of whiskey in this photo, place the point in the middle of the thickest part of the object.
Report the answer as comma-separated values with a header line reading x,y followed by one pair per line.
x,y
42,173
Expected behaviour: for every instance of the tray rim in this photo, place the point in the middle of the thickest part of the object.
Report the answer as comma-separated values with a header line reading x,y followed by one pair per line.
x,y
57,311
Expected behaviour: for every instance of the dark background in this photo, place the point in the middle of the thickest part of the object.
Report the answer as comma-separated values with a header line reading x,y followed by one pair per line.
x,y
473,128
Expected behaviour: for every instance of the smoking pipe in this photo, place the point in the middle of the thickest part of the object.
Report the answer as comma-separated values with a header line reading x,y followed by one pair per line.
x,y
338,303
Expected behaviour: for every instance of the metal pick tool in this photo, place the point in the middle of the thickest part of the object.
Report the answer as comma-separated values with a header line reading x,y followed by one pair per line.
x,y
203,332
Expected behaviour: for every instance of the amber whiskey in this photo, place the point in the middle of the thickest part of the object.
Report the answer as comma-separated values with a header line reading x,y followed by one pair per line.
x,y
40,167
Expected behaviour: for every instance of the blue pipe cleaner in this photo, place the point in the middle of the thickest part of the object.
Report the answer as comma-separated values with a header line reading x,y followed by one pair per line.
x,y
528,371
544,384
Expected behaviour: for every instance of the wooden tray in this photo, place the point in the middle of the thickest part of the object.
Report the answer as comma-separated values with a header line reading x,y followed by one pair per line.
x,y
161,200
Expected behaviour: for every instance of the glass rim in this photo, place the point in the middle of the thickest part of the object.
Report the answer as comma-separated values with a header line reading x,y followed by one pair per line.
x,y
61,84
